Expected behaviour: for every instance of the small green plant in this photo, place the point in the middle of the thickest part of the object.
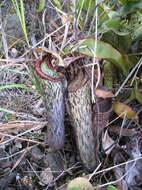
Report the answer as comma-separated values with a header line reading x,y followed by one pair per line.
x,y
6,115
111,187
41,6
20,13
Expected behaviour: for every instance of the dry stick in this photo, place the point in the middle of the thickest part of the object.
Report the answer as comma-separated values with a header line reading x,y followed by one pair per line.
x,y
47,36
35,128
14,115
20,114
44,28
115,119
125,81
18,161
65,36
24,122
23,139
74,166
112,182
124,163
135,74
35,172
12,61
91,175
9,65
116,181
122,125
5,46
15,125
137,113
66,29
117,140
75,20
28,148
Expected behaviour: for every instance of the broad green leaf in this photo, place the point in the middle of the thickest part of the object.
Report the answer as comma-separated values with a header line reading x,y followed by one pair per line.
x,y
114,25
123,110
104,51
129,8
123,1
126,1
15,86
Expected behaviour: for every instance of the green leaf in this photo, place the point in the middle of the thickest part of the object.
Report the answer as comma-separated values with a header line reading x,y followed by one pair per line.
x,y
111,187
57,4
129,8
41,6
123,1
20,13
114,25
15,86
104,51
126,1
35,80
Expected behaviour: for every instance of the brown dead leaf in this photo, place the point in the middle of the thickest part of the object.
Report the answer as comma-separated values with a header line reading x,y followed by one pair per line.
x,y
123,132
104,94
46,176
107,142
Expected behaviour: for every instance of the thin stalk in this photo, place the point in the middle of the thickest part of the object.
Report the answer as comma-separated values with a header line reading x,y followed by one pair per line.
x,y
20,13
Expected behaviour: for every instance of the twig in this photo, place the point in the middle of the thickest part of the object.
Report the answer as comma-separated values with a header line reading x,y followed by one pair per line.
x,y
35,172
116,181
110,168
20,114
5,46
130,74
19,160
23,139
65,36
16,136
12,61
46,36
91,175
28,148
63,172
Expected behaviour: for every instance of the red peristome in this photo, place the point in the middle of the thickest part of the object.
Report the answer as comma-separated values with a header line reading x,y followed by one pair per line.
x,y
37,68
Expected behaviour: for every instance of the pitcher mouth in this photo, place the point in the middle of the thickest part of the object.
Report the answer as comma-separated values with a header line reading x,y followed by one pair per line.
x,y
45,70
80,80
75,73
